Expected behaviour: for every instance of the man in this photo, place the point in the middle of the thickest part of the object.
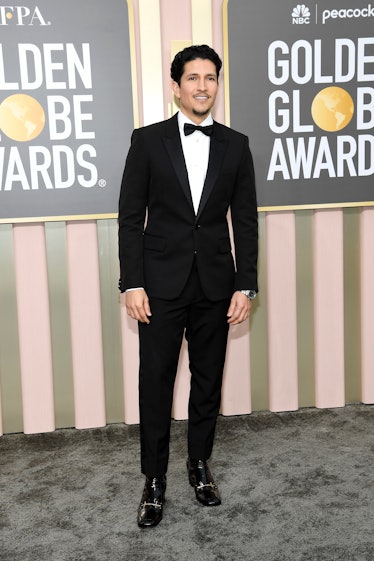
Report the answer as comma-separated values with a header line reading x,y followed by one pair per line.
x,y
178,271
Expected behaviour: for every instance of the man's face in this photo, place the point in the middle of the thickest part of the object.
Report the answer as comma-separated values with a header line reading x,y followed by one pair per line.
x,y
198,89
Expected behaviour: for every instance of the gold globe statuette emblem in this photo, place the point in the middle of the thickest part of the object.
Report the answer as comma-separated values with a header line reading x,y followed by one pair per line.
x,y
22,118
332,109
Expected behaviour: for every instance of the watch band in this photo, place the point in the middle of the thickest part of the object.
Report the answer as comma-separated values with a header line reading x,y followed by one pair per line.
x,y
251,294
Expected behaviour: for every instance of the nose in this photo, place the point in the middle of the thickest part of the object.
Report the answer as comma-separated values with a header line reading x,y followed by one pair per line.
x,y
202,84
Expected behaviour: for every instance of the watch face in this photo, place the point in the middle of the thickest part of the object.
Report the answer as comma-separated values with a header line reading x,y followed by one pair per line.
x,y
251,294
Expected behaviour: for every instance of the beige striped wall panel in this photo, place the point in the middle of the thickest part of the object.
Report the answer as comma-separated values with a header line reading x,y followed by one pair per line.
x,y
68,351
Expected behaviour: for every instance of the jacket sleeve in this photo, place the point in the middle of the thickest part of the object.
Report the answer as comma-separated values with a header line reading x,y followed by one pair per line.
x,y
244,222
131,214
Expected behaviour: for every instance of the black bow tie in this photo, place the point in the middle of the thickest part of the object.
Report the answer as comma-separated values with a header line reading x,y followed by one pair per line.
x,y
189,129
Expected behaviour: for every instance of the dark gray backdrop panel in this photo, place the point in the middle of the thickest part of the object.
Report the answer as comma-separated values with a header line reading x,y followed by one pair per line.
x,y
252,26
105,28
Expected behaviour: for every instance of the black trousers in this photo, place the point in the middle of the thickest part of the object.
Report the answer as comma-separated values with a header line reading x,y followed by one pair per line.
x,y
205,326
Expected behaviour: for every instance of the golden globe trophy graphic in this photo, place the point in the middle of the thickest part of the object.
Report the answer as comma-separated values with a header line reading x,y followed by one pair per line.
x,y
332,109
22,118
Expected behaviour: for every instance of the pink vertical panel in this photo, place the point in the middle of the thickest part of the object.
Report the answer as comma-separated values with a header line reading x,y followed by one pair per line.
x,y
367,304
176,25
135,9
182,386
236,390
217,33
130,354
129,327
282,322
34,328
328,308
85,317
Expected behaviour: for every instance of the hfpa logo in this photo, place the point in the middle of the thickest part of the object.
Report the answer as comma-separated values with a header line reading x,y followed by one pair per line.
x,y
21,15
300,14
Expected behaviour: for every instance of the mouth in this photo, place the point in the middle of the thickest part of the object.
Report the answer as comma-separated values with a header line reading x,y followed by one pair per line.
x,y
201,97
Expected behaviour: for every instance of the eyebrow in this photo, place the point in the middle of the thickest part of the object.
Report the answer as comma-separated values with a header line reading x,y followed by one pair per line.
x,y
210,74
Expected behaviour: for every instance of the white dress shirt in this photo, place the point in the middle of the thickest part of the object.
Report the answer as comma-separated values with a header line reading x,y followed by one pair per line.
x,y
196,155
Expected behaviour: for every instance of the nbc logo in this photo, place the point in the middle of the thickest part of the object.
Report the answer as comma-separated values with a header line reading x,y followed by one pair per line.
x,y
300,14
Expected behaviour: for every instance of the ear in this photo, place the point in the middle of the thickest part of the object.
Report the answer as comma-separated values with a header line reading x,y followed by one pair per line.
x,y
176,89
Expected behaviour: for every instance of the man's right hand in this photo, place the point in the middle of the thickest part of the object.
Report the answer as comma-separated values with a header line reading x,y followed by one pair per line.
x,y
137,305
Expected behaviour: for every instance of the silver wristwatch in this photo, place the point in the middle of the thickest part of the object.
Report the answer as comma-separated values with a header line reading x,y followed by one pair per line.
x,y
251,294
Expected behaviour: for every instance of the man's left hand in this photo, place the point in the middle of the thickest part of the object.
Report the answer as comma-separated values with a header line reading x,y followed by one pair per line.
x,y
240,308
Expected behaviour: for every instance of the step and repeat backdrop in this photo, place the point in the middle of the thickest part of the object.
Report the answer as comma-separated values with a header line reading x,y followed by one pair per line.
x,y
301,82
302,86
300,79
66,112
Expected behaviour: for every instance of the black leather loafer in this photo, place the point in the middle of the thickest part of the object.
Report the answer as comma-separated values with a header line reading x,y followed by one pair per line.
x,y
151,505
201,479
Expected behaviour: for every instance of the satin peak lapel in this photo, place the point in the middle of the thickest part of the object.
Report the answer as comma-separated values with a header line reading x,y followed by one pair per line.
x,y
174,148
217,150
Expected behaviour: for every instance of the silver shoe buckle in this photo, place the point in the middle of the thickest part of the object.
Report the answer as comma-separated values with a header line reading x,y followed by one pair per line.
x,y
155,505
203,486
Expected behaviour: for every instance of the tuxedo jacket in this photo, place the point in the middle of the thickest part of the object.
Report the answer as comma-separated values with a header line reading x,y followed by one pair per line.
x,y
159,233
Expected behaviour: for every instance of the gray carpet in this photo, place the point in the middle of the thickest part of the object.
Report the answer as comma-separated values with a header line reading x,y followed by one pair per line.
x,y
295,487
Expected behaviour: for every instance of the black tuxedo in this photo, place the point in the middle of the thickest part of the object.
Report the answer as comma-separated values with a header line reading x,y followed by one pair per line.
x,y
184,262
156,178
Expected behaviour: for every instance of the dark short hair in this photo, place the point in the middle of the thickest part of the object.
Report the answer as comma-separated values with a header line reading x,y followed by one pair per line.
x,y
192,53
